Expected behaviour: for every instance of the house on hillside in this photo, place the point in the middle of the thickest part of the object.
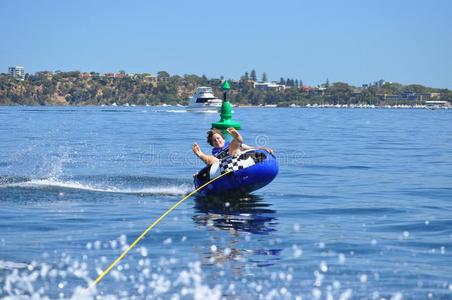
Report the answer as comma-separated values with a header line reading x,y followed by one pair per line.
x,y
312,90
269,86
17,72
408,96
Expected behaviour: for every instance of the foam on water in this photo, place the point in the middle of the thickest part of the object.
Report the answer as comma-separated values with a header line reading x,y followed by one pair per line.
x,y
178,111
10,265
175,111
175,190
150,278
73,278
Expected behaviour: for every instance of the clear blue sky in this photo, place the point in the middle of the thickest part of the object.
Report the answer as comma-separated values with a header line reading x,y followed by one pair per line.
x,y
354,41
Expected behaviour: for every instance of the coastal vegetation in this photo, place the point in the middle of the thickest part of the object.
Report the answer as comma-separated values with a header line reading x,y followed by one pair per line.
x,y
76,88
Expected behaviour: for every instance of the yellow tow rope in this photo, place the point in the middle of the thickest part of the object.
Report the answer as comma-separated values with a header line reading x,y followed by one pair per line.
x,y
123,254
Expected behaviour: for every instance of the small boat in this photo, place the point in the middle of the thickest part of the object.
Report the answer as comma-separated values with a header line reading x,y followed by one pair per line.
x,y
204,100
251,170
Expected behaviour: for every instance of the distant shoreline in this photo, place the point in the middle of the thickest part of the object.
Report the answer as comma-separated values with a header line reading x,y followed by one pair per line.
x,y
76,88
314,106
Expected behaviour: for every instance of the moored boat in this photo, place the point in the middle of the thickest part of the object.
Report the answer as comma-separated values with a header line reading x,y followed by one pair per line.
x,y
204,100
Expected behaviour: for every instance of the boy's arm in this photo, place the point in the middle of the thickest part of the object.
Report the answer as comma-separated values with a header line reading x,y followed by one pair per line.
x,y
207,159
237,141
235,135
246,147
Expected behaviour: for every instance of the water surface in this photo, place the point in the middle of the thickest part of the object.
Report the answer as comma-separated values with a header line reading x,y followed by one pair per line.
x,y
361,208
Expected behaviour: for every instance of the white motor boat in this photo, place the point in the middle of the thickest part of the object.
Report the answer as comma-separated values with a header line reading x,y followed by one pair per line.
x,y
204,100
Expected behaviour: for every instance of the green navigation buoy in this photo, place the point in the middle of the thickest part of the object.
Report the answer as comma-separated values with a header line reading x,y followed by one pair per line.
x,y
226,112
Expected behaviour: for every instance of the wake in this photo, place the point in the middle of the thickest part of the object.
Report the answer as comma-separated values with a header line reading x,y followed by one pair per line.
x,y
173,189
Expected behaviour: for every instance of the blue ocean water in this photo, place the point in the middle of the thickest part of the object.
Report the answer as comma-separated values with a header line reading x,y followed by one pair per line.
x,y
361,208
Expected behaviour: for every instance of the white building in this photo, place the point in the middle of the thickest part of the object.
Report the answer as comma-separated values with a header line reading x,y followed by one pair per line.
x,y
265,86
17,72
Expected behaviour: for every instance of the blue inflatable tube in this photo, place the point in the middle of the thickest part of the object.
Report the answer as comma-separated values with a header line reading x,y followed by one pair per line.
x,y
251,170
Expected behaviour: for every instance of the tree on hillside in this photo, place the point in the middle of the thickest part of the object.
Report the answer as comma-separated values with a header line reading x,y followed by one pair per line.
x,y
446,95
369,96
282,81
245,77
253,75
391,88
339,92
163,75
416,88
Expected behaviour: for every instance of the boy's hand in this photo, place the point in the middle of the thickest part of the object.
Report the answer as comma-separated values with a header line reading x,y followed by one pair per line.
x,y
196,149
232,131
269,150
